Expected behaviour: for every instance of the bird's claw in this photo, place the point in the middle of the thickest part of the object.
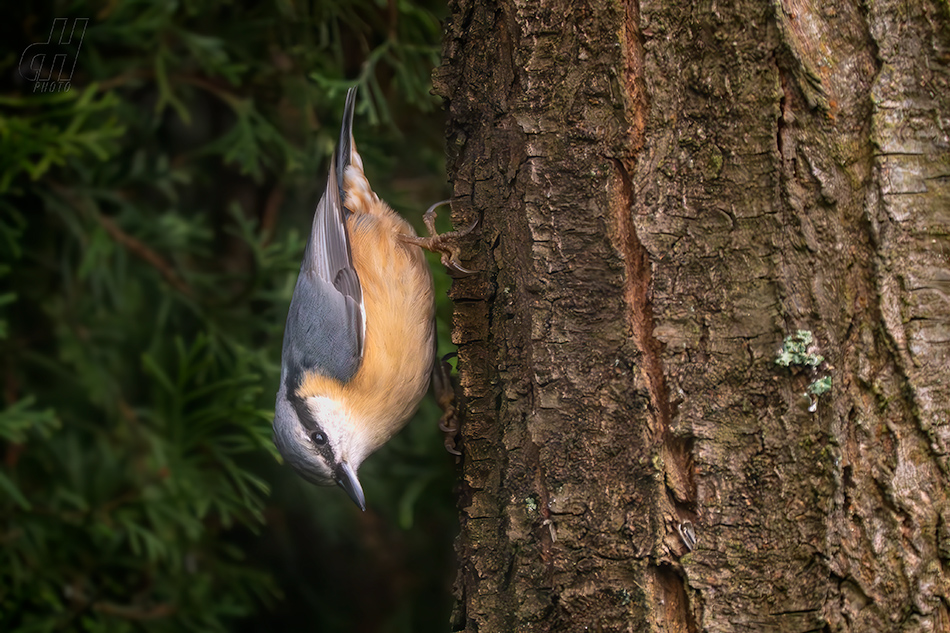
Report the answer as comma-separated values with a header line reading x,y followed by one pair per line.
x,y
445,397
446,244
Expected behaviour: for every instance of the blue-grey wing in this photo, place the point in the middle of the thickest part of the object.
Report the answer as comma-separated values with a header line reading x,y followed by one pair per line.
x,y
328,249
326,323
322,331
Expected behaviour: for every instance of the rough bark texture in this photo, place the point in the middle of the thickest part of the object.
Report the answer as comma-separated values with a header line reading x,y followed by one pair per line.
x,y
665,192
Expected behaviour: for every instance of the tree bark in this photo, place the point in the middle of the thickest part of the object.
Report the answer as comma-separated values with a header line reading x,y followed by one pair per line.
x,y
666,191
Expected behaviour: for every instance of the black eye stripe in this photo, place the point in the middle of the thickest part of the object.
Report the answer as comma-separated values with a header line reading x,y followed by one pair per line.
x,y
303,413
316,435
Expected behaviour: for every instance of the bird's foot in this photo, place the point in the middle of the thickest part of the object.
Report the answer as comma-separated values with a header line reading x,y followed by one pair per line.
x,y
446,244
445,397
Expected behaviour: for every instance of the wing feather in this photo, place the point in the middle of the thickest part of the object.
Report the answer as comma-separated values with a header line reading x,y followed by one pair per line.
x,y
326,324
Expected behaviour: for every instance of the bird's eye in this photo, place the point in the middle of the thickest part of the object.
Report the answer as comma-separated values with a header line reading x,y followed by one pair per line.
x,y
319,438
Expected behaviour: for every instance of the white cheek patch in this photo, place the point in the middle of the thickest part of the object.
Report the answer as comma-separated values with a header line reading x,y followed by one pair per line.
x,y
348,438
333,421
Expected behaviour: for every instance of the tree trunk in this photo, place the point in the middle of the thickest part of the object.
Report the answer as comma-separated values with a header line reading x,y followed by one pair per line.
x,y
666,192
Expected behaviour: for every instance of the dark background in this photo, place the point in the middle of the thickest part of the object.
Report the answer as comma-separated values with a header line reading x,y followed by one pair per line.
x,y
152,221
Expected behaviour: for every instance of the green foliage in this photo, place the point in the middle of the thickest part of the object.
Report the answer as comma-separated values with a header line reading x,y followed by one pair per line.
x,y
53,129
151,227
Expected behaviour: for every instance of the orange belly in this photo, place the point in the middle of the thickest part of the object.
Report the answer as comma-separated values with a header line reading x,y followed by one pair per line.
x,y
398,346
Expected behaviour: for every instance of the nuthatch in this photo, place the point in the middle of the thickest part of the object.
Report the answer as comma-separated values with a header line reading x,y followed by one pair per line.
x,y
359,346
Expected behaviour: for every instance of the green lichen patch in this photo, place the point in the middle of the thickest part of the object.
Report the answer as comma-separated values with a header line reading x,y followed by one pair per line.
x,y
798,351
795,351
820,386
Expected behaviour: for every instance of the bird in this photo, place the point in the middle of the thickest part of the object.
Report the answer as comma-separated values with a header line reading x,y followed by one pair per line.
x,y
359,346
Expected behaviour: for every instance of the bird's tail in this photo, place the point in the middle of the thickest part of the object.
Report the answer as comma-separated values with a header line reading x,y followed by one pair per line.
x,y
346,148
355,191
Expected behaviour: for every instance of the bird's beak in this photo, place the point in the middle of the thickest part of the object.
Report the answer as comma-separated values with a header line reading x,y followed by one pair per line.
x,y
348,481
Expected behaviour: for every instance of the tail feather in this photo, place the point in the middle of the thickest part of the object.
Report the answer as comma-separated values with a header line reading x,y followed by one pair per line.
x,y
355,191
345,147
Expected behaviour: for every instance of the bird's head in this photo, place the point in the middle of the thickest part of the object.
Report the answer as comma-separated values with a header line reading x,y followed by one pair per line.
x,y
317,437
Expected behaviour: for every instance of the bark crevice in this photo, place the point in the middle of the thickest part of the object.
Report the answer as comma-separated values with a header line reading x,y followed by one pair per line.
x,y
640,308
